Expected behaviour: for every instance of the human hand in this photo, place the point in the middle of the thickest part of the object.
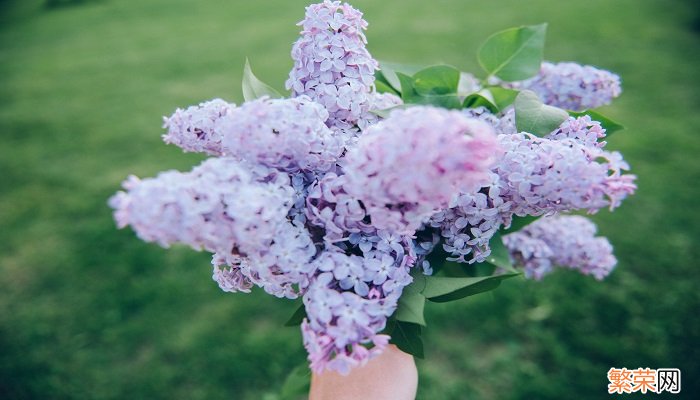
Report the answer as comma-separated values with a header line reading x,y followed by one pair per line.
x,y
389,376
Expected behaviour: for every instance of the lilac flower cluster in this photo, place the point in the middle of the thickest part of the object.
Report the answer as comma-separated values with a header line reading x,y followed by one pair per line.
x,y
316,197
573,86
201,208
447,152
288,134
331,62
565,171
561,241
545,176
357,289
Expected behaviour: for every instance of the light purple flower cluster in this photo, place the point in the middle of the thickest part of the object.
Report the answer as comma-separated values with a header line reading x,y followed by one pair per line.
x,y
561,241
472,219
317,197
565,171
446,152
202,208
544,176
288,134
331,63
573,86
350,300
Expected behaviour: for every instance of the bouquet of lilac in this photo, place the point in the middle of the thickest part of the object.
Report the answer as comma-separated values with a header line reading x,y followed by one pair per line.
x,y
374,186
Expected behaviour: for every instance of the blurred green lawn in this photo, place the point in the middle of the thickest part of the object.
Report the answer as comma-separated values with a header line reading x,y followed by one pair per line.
x,y
89,312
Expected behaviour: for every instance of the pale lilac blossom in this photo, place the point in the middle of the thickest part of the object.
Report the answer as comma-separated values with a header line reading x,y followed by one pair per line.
x,y
196,129
561,241
572,86
331,63
543,176
202,208
409,165
287,134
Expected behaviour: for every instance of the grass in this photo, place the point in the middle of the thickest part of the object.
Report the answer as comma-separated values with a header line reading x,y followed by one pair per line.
x,y
89,312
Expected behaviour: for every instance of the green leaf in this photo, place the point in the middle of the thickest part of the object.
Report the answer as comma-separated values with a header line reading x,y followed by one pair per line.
x,y
449,101
514,54
297,383
443,289
436,80
386,111
410,96
608,124
388,72
384,87
480,100
408,93
503,97
500,257
519,223
411,305
406,336
297,318
495,98
532,116
254,88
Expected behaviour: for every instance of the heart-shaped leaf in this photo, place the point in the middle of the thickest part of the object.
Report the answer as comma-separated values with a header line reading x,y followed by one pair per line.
x,y
443,289
409,95
383,87
480,99
500,257
503,97
514,54
254,88
411,305
495,99
436,80
532,116
387,72
406,336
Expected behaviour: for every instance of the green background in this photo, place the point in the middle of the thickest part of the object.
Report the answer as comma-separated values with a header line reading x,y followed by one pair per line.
x,y
90,312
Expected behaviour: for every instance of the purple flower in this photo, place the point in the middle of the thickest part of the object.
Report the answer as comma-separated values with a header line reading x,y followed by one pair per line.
x,y
195,128
331,63
561,241
409,165
572,86
341,324
287,134
202,208
582,129
329,206
471,220
543,176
